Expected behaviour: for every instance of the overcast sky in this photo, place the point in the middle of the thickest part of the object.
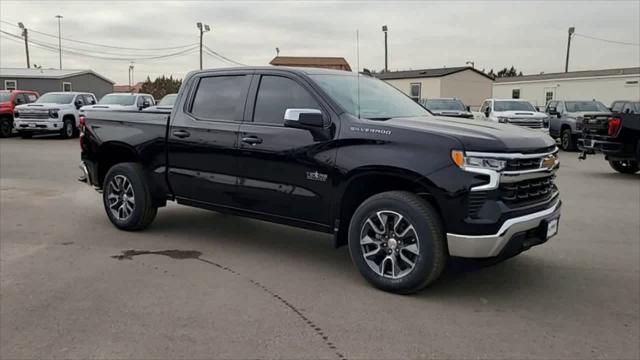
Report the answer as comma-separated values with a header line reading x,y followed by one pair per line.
x,y
530,35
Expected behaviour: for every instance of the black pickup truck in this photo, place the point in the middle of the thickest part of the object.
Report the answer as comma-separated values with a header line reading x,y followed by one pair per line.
x,y
333,152
617,137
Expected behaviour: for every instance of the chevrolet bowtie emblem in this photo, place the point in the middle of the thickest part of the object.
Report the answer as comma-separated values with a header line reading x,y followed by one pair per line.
x,y
548,162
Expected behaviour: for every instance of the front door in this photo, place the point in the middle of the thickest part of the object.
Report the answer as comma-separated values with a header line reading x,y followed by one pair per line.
x,y
203,139
285,172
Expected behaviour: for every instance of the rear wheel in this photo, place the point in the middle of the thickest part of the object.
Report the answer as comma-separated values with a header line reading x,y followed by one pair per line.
x,y
25,134
624,166
68,129
127,197
6,127
397,242
567,142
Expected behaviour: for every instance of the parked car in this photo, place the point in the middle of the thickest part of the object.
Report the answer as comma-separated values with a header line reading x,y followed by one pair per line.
x,y
515,112
123,101
403,188
447,107
625,107
617,137
8,101
166,104
566,119
52,112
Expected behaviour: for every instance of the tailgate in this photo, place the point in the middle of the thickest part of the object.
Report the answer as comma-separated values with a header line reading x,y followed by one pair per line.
x,y
595,125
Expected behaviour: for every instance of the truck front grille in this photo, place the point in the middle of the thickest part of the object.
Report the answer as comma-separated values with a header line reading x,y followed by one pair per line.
x,y
528,191
523,164
530,123
34,115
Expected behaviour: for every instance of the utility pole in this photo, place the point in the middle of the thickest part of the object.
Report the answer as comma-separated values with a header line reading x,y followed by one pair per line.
x,y
131,77
385,29
25,34
203,28
566,64
59,40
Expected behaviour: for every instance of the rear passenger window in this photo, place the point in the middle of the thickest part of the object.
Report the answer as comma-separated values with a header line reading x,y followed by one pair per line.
x,y
276,94
221,97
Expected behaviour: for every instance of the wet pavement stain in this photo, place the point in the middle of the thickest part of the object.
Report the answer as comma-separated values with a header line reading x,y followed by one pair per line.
x,y
195,255
66,243
174,254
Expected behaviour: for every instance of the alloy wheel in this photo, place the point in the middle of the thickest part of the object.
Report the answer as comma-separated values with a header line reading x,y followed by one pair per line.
x,y
121,197
68,129
389,244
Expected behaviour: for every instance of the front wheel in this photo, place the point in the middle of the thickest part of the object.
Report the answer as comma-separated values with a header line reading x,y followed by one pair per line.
x,y
397,242
127,197
6,127
567,142
624,166
68,129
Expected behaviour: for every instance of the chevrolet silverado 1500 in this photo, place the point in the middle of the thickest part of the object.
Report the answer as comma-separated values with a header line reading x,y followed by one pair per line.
x,y
335,152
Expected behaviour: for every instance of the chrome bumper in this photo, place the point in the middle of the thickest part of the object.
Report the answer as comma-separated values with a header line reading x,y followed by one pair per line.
x,y
86,176
483,246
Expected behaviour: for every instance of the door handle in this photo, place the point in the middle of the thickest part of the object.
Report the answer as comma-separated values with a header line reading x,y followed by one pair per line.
x,y
252,140
181,133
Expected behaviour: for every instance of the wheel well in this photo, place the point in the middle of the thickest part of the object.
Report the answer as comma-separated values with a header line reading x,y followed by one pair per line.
x,y
69,116
564,126
363,187
112,154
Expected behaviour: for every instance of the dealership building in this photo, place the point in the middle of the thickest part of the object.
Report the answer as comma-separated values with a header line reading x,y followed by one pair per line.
x,y
49,80
603,85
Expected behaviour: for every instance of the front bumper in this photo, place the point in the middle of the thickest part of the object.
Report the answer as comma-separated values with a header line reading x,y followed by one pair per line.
x,y
37,125
515,235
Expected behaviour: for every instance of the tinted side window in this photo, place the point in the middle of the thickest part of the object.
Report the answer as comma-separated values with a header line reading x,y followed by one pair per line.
x,y
560,107
140,101
31,98
20,99
551,104
89,100
277,94
617,106
221,97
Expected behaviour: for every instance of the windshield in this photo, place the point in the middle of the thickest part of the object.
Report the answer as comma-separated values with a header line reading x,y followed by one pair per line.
x,y
5,96
444,104
378,100
168,100
114,99
513,106
56,98
577,106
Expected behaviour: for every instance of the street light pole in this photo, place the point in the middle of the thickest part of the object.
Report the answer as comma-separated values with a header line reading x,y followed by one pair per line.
x,y
385,29
566,64
59,40
203,28
131,77
25,34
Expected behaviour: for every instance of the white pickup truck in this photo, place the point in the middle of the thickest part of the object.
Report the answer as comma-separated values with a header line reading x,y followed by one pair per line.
x,y
52,112
516,112
123,101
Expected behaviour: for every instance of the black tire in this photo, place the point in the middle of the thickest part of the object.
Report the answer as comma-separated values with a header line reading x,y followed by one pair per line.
x,y
430,238
6,127
624,167
143,211
567,141
68,129
25,134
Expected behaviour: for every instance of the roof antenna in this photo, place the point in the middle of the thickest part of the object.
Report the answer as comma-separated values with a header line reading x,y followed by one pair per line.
x,y
358,68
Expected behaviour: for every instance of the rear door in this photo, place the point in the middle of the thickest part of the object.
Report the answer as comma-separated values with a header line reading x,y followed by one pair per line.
x,y
203,138
284,172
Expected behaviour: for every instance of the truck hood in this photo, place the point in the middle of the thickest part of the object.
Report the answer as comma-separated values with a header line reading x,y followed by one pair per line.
x,y
106,107
42,106
454,113
521,114
479,135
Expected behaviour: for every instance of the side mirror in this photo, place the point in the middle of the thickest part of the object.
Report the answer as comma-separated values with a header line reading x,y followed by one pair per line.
x,y
468,108
78,104
146,104
487,112
303,118
537,108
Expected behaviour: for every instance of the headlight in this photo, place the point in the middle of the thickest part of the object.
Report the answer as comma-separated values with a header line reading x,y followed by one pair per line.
x,y
53,113
579,122
473,162
503,119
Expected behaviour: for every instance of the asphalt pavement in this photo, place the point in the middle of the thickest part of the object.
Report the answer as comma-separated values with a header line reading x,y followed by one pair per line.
x,y
200,284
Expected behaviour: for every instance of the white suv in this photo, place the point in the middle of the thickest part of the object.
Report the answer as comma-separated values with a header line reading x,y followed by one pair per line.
x,y
52,112
123,101
516,112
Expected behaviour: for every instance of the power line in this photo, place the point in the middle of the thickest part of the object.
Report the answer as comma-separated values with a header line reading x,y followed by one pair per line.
x,y
50,48
605,40
103,45
214,53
